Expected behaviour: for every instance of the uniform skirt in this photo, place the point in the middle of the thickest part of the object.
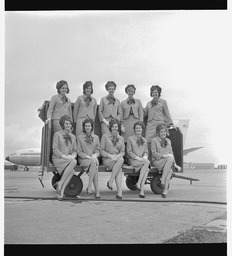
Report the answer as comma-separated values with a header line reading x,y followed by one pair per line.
x,y
56,125
136,164
85,163
128,125
108,162
61,164
105,128
151,129
159,164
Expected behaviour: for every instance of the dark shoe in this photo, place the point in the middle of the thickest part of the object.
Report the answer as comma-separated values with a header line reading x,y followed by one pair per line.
x,y
108,186
118,197
59,197
97,197
88,193
142,196
163,195
137,188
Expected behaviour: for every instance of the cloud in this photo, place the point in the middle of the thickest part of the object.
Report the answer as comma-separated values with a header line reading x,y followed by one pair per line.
x,y
18,138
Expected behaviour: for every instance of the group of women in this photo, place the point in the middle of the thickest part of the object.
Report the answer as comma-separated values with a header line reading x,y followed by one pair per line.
x,y
122,134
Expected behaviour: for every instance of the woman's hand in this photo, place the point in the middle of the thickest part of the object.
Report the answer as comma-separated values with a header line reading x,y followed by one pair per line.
x,y
49,119
139,158
105,122
123,129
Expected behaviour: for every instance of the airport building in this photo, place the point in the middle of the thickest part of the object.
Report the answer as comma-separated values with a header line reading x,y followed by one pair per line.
x,y
198,165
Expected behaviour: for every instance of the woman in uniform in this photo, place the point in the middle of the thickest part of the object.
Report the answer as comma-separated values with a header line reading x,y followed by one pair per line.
x,y
109,108
88,150
132,111
59,105
64,154
156,112
163,157
112,151
84,107
138,155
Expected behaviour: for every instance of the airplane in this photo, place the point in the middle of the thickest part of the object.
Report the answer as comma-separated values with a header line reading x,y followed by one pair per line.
x,y
25,157
31,157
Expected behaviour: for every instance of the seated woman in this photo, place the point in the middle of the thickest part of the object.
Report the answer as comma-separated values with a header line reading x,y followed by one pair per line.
x,y
112,151
163,157
137,151
64,154
88,149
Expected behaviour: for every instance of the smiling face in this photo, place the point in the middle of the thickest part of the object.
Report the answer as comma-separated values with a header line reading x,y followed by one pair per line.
x,y
130,92
111,89
67,126
88,90
163,133
88,128
138,130
114,129
63,90
155,94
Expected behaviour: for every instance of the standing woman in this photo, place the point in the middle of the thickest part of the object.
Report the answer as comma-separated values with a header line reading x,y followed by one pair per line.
x,y
156,112
112,151
109,108
59,105
137,151
163,157
64,154
84,107
88,150
132,111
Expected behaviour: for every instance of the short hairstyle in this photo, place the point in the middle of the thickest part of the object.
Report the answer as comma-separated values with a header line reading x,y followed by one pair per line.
x,y
60,84
112,122
140,123
129,86
159,127
110,83
63,119
87,84
155,87
87,120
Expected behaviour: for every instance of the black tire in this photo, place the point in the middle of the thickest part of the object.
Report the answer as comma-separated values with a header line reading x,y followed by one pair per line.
x,y
155,184
55,178
131,181
74,187
26,169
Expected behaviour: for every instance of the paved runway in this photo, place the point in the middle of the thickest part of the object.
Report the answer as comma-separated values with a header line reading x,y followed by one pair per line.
x,y
34,216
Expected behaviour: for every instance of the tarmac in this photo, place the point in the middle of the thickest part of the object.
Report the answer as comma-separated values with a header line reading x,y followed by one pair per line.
x,y
33,215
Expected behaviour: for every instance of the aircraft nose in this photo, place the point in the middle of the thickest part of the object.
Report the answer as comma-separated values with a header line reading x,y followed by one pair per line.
x,y
7,158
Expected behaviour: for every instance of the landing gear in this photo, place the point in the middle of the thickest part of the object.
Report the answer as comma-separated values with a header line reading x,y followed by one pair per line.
x,y
74,186
26,169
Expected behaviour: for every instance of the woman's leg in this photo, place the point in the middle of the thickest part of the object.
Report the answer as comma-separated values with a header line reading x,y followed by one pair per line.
x,y
143,172
146,167
118,181
66,177
95,183
116,169
92,170
167,172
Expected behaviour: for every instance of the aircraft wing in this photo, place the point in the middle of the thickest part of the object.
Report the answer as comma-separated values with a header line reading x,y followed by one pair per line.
x,y
188,150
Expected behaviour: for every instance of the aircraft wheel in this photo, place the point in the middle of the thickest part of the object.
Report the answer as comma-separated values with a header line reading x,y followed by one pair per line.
x,y
74,187
155,184
26,169
56,177
131,181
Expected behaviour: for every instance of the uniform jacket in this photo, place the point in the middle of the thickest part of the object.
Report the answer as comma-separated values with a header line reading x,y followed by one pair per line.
x,y
157,150
134,150
136,108
159,112
106,110
57,108
81,109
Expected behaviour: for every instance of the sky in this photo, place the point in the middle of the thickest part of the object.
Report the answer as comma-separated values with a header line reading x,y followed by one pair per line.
x,y
186,53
